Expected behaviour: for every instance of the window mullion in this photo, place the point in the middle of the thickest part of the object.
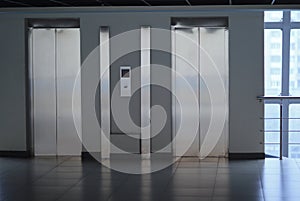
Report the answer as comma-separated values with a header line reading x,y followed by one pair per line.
x,y
285,53
286,30
273,25
295,25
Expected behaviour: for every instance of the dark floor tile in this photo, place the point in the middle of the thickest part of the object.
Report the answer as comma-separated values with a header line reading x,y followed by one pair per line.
x,y
74,179
237,198
196,192
31,193
186,198
198,171
238,192
56,182
83,194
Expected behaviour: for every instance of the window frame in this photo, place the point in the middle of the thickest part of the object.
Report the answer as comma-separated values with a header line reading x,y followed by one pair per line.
x,y
285,25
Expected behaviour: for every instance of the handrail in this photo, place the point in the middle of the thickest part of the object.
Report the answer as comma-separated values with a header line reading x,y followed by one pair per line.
x,y
275,131
261,98
277,97
272,118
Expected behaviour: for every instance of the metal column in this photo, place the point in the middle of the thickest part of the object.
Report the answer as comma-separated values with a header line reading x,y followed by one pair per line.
x,y
105,92
145,92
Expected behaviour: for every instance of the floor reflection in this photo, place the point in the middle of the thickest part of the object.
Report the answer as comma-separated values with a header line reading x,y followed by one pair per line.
x,y
71,178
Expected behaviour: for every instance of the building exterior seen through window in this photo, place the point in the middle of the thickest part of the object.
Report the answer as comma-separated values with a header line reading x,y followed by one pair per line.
x,y
282,77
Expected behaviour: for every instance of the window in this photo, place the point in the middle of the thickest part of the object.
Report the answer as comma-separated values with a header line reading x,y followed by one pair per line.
x,y
294,75
272,124
282,77
292,84
294,127
293,46
273,60
275,45
292,59
275,34
275,71
295,16
273,16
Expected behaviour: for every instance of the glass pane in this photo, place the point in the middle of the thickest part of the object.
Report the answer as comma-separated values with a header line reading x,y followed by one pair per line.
x,y
272,111
273,61
294,124
295,62
294,151
272,150
273,16
295,16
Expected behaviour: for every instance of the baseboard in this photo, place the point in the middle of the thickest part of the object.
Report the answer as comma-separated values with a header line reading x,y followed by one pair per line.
x,y
89,156
15,154
246,156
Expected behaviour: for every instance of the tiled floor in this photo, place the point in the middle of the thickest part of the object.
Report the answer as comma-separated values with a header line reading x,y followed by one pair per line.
x,y
70,178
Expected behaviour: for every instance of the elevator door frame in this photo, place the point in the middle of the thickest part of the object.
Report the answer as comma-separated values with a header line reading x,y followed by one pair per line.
x,y
30,95
105,97
225,133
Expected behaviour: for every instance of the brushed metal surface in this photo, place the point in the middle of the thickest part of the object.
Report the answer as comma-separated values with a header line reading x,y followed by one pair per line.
x,y
226,85
210,58
44,91
68,66
213,65
105,92
186,67
55,56
145,91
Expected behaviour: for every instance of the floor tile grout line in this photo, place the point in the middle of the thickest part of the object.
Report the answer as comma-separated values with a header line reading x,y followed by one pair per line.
x,y
117,188
47,172
176,167
33,181
109,196
213,190
261,183
72,186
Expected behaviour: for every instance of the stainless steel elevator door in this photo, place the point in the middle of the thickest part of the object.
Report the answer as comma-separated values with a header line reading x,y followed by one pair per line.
x,y
55,63
68,67
201,59
214,66
186,67
44,89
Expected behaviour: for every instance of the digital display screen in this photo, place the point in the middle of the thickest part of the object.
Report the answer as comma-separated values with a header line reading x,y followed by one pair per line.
x,y
125,72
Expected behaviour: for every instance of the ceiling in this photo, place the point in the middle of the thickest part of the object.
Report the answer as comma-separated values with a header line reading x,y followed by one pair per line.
x,y
77,3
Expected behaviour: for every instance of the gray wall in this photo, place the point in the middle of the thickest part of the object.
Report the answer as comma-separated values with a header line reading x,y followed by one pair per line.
x,y
246,68
12,84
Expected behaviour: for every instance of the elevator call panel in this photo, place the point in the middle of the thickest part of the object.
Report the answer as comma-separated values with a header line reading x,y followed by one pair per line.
x,y
125,81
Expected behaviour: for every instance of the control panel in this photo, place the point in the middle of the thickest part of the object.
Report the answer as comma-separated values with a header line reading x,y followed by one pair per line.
x,y
125,81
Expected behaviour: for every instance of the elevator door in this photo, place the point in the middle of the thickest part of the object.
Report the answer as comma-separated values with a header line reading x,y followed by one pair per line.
x,y
201,60
54,67
186,67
